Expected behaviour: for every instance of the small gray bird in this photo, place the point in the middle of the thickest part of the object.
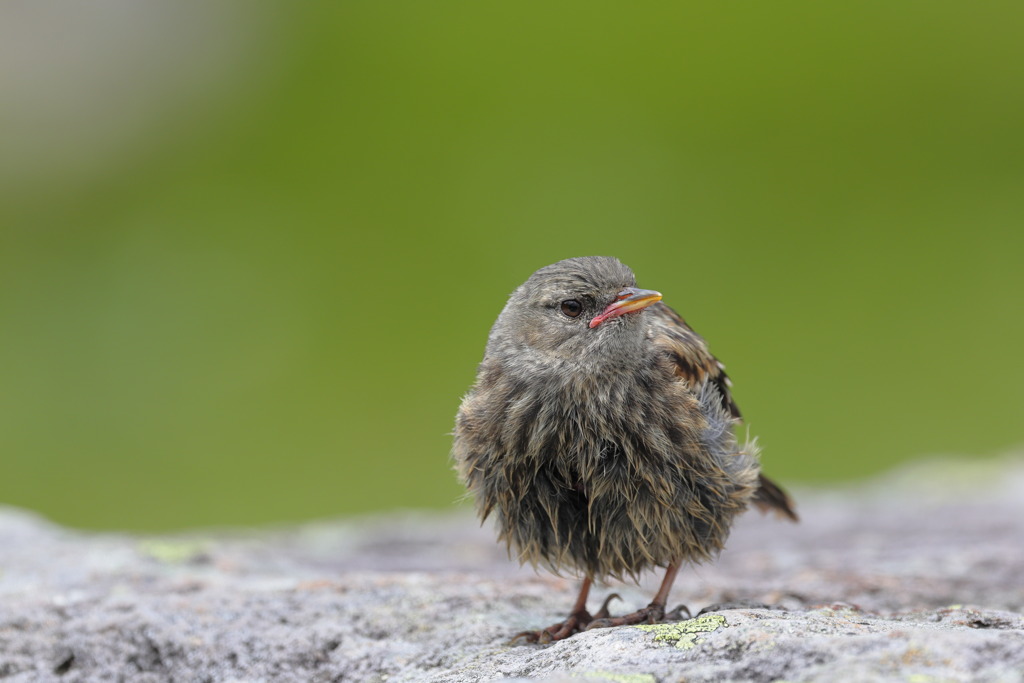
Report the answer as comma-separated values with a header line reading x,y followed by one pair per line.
x,y
600,433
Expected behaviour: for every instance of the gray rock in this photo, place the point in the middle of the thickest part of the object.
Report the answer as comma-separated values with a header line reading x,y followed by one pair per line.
x,y
916,577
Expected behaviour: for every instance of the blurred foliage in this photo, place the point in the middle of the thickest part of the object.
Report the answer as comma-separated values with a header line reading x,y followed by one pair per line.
x,y
248,261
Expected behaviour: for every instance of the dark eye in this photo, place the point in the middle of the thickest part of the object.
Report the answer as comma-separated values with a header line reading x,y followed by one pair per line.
x,y
572,308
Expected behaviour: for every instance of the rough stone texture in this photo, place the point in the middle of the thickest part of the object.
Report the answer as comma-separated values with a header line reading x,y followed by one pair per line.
x,y
916,577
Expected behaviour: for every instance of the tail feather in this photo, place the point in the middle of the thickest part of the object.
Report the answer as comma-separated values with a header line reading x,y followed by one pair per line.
x,y
771,497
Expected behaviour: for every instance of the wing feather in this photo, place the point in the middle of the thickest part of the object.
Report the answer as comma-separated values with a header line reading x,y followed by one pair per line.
x,y
693,362
689,353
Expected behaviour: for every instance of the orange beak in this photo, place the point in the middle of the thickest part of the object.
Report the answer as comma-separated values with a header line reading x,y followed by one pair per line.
x,y
627,301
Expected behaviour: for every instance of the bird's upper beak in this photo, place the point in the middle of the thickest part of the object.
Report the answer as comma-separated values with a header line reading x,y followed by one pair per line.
x,y
628,300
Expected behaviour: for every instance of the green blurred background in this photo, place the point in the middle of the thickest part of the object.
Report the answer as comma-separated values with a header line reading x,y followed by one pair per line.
x,y
250,253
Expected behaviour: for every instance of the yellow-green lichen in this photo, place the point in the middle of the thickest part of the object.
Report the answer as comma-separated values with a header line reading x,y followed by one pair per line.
x,y
925,678
685,633
172,551
617,678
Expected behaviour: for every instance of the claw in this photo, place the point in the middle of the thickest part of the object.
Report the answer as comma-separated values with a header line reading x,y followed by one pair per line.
x,y
603,612
678,612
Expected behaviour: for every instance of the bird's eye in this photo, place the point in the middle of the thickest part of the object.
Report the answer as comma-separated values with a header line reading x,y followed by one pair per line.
x,y
572,308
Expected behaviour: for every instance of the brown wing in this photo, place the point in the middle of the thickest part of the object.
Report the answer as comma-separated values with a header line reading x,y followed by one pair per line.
x,y
689,353
693,362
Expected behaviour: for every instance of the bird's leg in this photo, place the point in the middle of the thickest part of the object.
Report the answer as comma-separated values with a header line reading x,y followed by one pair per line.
x,y
648,615
575,622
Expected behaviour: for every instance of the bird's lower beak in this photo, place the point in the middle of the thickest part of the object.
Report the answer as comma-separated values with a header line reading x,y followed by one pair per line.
x,y
628,300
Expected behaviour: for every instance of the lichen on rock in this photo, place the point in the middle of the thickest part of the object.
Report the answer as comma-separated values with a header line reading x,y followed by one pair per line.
x,y
685,633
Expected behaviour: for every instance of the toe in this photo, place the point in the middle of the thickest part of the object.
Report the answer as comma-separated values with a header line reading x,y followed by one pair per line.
x,y
527,636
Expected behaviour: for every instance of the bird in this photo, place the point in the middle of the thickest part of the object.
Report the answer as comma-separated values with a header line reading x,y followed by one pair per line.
x,y
600,433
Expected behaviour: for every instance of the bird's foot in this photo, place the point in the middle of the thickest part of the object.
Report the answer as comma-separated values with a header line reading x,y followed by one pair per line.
x,y
651,614
574,623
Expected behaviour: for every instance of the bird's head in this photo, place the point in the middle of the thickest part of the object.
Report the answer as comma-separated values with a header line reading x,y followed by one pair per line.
x,y
578,309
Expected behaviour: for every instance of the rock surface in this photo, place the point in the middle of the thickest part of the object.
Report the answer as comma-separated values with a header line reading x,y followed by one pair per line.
x,y
915,577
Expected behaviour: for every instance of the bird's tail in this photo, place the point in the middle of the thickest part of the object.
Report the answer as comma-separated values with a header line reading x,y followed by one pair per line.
x,y
771,498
